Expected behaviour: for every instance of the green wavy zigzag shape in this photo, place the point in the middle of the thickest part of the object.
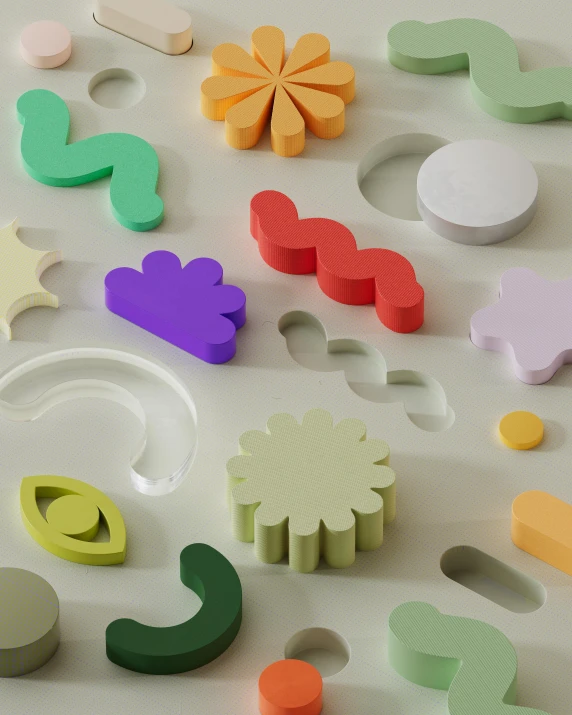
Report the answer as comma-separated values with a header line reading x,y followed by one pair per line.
x,y
131,161
474,661
491,56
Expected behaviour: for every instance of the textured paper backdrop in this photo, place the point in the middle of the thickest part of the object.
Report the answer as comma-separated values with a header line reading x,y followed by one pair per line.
x,y
453,488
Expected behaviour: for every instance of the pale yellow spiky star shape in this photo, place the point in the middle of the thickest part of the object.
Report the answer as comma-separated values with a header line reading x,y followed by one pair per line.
x,y
20,271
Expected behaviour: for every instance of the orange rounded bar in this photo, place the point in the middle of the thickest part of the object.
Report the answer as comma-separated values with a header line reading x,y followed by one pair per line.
x,y
542,526
290,687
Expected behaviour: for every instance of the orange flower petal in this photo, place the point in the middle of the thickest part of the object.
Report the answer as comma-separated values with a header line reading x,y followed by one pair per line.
x,y
336,78
287,126
244,123
232,60
268,48
323,113
311,50
219,94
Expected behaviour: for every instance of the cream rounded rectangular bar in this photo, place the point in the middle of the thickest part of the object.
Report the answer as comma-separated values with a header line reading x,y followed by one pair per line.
x,y
156,23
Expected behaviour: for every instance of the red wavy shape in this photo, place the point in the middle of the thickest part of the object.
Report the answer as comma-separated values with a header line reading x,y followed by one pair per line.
x,y
328,249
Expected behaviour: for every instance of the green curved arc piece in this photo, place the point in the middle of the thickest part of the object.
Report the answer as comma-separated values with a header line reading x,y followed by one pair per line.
x,y
471,659
131,161
196,642
491,56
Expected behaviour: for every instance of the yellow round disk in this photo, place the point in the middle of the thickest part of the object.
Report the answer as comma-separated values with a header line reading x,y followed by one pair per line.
x,y
521,430
74,515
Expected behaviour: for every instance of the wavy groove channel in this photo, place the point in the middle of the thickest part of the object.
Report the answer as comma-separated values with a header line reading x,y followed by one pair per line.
x,y
365,370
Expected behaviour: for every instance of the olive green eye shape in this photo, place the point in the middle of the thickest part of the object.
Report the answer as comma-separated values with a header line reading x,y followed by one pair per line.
x,y
72,520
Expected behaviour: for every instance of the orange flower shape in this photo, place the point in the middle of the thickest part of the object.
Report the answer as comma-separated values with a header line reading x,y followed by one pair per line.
x,y
306,90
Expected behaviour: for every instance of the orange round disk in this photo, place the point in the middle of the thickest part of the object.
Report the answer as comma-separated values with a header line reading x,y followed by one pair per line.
x,y
290,687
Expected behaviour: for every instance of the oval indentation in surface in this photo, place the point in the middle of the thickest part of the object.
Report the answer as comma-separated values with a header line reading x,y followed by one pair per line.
x,y
387,174
503,584
326,650
116,88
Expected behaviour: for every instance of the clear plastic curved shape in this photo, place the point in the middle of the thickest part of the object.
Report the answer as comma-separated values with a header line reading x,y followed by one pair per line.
x,y
167,448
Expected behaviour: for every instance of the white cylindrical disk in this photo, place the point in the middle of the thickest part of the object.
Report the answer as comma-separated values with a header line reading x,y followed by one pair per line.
x,y
477,192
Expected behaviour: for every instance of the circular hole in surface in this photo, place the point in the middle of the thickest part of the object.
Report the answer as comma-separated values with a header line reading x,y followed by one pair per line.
x,y
116,88
326,650
387,174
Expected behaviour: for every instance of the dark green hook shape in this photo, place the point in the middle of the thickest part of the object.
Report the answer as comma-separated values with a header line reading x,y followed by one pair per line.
x,y
194,643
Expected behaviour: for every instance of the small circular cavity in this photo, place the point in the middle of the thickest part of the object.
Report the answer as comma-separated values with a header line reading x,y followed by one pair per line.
x,y
45,44
477,192
387,174
326,650
74,515
116,88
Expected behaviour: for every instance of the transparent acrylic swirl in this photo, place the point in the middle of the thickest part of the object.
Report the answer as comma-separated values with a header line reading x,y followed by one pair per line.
x,y
154,394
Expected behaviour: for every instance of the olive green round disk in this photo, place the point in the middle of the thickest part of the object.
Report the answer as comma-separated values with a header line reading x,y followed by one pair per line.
x,y
29,622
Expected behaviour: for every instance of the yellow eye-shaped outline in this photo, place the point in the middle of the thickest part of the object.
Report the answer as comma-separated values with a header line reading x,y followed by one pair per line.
x,y
77,548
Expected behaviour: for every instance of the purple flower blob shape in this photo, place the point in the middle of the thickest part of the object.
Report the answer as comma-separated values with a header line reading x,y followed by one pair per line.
x,y
532,323
189,307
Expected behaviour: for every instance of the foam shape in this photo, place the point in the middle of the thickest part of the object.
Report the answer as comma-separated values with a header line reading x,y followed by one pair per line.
x,y
156,23
304,90
20,271
188,307
325,247
491,56
521,430
29,622
72,520
46,44
290,687
74,515
196,642
49,159
477,192
310,489
365,370
532,323
542,526
474,661
154,394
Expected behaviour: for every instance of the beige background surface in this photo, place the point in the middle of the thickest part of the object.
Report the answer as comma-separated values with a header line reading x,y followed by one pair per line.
x,y
454,487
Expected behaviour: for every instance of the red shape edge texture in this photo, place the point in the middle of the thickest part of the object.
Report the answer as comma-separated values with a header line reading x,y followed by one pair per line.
x,y
328,249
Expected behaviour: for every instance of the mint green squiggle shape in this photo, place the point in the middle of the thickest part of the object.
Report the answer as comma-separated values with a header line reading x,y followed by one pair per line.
x,y
131,161
474,661
491,56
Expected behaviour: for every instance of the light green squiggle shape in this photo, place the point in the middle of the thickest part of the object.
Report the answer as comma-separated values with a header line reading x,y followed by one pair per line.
x,y
491,56
474,661
131,161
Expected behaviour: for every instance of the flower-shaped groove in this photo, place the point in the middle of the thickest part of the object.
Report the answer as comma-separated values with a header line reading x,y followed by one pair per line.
x,y
311,489
304,90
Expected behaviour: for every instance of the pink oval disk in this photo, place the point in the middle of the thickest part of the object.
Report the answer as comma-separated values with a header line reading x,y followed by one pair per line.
x,y
45,44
